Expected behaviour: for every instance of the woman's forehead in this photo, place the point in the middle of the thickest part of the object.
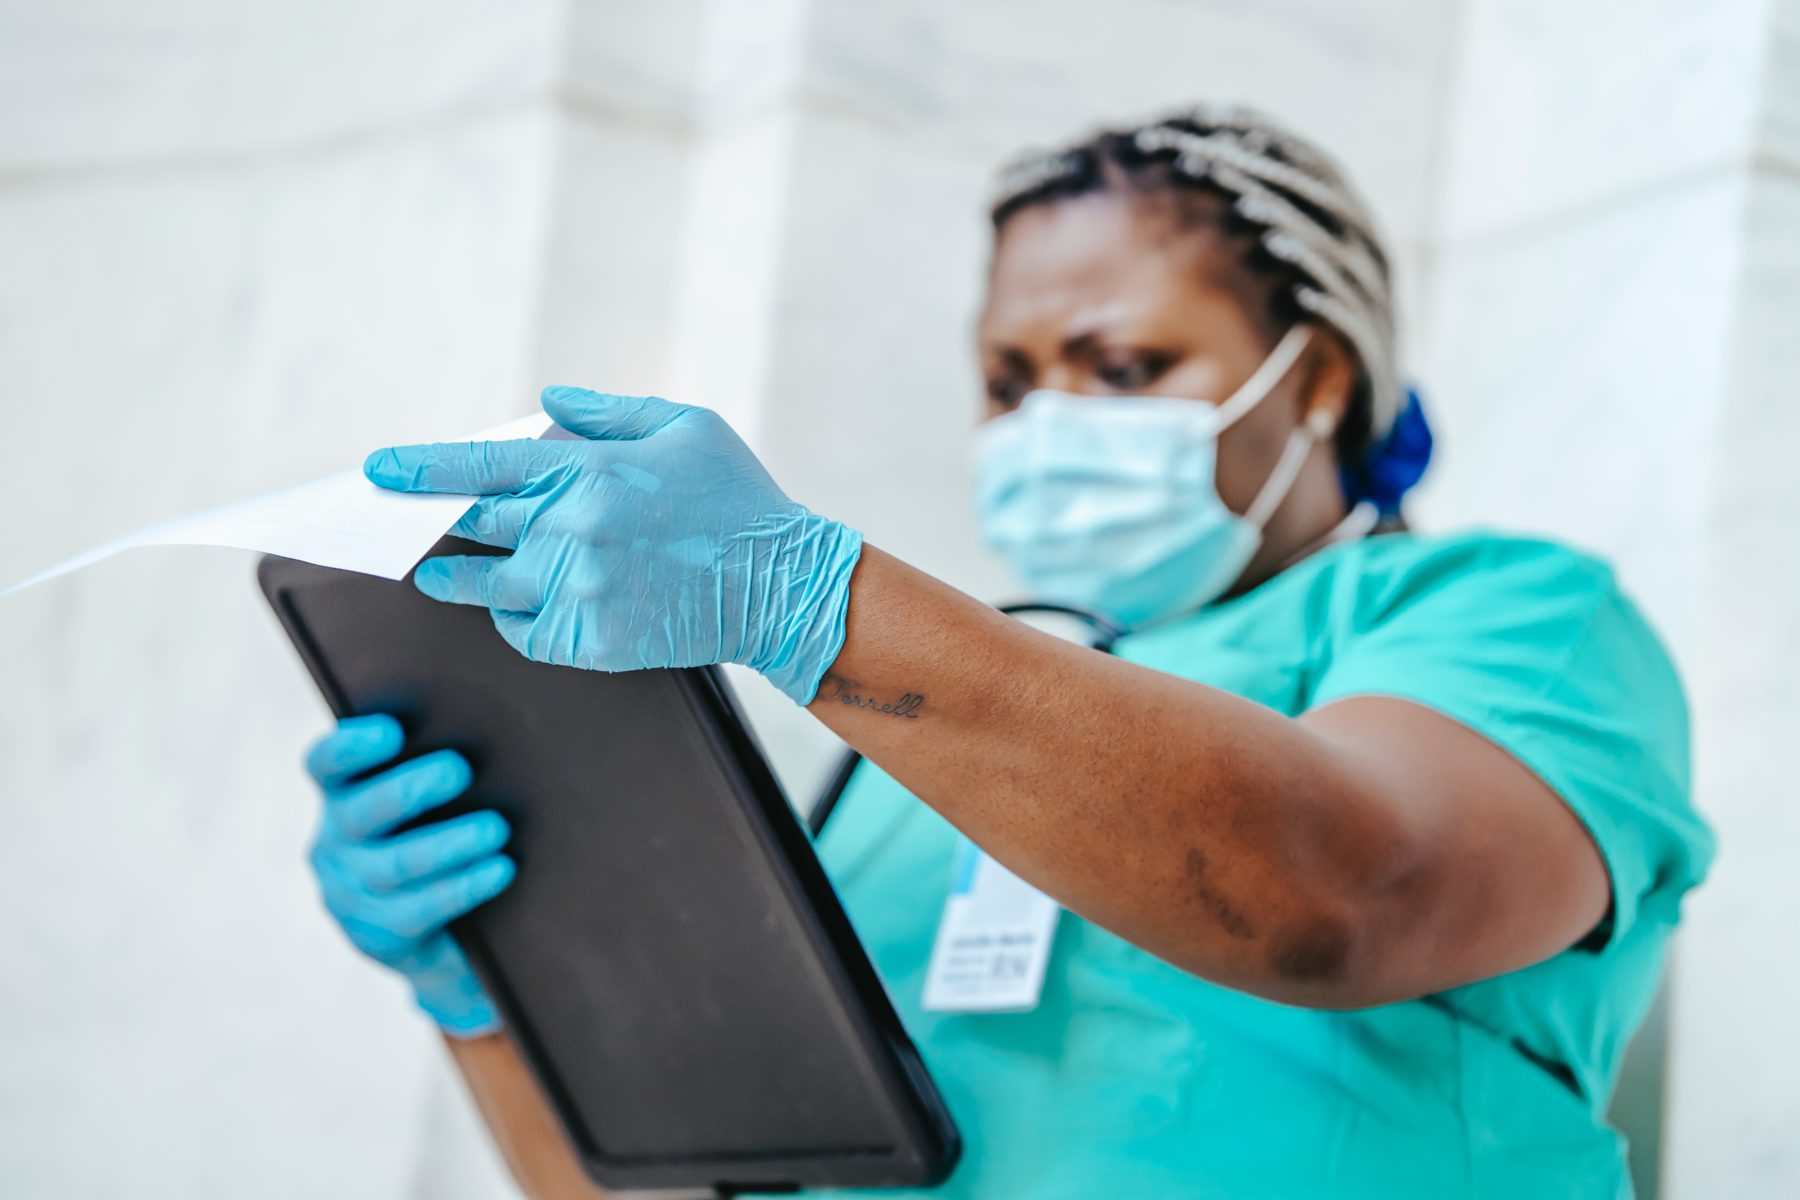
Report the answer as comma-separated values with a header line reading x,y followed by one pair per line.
x,y
1104,260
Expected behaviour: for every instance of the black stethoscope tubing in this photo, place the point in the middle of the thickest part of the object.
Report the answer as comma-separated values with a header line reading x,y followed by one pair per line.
x,y
1104,635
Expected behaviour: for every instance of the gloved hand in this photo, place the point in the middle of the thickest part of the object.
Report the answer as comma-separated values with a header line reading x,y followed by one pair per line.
x,y
394,893
658,542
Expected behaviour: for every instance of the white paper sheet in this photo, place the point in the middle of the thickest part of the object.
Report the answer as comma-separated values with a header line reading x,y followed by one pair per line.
x,y
339,521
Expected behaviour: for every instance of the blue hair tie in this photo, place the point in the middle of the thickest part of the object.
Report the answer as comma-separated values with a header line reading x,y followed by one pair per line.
x,y
1394,464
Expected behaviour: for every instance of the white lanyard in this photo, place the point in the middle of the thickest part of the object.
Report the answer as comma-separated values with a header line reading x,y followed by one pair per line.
x,y
1356,524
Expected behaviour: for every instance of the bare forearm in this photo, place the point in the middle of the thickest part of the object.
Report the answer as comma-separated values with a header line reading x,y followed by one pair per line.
x,y
1212,831
523,1127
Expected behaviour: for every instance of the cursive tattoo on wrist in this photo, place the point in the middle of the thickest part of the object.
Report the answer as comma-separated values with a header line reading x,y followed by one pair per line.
x,y
851,693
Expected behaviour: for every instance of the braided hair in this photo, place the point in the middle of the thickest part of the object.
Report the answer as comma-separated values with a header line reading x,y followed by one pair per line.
x,y
1309,246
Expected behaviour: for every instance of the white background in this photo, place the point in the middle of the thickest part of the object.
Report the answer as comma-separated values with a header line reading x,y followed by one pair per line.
x,y
242,242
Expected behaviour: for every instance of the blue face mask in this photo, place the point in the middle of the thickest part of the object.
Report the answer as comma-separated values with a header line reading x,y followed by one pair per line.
x,y
1110,503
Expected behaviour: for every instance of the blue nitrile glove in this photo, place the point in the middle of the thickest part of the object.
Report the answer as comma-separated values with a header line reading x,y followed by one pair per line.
x,y
659,541
394,893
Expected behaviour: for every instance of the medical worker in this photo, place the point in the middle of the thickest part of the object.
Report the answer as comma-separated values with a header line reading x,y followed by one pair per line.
x,y
1369,843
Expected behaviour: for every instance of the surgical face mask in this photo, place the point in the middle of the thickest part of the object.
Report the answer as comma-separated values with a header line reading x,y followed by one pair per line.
x,y
1111,503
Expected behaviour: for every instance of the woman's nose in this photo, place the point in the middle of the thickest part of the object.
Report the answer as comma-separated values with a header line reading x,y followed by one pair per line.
x,y
1060,377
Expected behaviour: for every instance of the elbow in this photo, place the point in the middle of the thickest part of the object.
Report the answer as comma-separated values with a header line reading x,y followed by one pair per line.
x,y
1321,918
1320,948
1345,937
1321,952
1336,953
1345,944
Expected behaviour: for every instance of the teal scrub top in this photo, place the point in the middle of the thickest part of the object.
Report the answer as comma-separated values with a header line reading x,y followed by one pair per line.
x,y
1133,1078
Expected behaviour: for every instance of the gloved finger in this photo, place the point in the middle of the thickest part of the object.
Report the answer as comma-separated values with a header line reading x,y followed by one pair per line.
x,y
602,417
543,640
495,521
488,580
356,745
420,855
417,911
515,627
371,808
467,468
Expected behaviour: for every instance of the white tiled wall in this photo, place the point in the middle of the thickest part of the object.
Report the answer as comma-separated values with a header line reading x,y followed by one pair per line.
x,y
1559,109
179,1020
1614,296
237,243
1573,365
1734,1103
238,239
103,84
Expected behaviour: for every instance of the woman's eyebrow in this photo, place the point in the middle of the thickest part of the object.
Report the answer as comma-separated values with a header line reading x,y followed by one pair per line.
x,y
1115,323
1010,356
1091,343
1081,344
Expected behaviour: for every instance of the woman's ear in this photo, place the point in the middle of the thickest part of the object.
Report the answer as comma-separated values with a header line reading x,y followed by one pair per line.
x,y
1331,370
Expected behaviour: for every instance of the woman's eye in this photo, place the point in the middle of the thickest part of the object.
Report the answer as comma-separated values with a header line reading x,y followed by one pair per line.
x,y
1005,392
1131,374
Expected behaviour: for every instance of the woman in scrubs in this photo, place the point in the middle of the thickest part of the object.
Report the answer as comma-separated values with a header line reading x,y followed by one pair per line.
x,y
1370,843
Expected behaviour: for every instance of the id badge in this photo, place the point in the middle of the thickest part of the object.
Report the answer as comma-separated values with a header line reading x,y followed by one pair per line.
x,y
993,942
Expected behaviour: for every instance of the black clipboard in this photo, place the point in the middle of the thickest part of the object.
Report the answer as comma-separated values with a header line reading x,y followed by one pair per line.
x,y
671,960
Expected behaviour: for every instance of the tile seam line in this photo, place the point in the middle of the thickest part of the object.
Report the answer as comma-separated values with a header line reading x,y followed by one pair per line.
x,y
1617,200
577,106
715,118
602,111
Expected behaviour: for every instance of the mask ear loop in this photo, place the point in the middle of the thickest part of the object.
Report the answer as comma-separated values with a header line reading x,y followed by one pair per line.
x,y
1280,361
1287,468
